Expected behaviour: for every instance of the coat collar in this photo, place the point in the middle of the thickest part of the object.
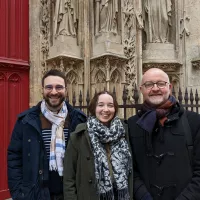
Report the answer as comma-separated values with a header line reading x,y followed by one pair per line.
x,y
32,116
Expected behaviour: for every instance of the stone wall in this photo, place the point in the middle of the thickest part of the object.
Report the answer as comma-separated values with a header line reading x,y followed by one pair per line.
x,y
109,44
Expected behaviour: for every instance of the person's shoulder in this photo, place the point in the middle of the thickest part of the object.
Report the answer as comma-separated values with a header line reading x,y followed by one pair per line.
x,y
193,119
80,128
133,118
123,121
192,114
33,109
74,112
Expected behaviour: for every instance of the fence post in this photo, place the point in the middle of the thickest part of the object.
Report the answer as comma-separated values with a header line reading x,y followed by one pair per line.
x,y
124,98
191,99
186,99
88,101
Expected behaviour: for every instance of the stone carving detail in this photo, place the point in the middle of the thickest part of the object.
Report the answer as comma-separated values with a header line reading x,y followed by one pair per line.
x,y
196,64
115,77
44,29
106,16
72,69
157,20
163,66
129,51
183,25
109,71
140,23
72,77
100,77
129,41
174,79
65,18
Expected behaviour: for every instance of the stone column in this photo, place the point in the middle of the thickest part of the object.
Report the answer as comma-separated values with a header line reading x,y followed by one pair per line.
x,y
35,51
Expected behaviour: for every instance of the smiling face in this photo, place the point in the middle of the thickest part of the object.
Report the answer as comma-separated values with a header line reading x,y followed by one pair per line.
x,y
105,110
155,96
55,97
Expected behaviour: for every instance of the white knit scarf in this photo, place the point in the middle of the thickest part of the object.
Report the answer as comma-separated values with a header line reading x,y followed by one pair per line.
x,y
57,146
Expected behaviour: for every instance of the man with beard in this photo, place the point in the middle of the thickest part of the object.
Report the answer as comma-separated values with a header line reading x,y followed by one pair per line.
x,y
165,141
38,143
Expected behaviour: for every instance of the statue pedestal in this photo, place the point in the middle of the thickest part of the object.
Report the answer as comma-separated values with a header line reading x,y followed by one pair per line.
x,y
159,53
65,45
107,43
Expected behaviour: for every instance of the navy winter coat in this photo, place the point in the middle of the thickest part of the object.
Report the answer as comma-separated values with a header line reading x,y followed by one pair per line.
x,y
27,163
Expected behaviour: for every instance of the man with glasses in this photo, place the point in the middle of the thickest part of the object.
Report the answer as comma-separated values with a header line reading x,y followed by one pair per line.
x,y
165,141
38,143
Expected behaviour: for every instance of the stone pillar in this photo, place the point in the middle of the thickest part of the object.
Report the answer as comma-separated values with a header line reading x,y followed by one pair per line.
x,y
35,50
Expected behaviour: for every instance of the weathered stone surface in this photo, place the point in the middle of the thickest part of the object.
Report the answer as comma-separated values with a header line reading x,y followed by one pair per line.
x,y
111,48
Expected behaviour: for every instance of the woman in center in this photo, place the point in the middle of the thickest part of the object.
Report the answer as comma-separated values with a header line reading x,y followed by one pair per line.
x,y
98,162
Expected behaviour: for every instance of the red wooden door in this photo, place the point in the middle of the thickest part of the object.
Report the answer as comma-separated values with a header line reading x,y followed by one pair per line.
x,y
14,86
14,74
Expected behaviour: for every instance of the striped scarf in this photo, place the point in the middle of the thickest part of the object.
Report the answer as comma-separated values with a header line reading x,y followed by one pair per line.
x,y
57,146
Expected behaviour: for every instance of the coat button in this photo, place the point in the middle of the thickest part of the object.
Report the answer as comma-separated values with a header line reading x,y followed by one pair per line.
x,y
88,157
90,181
29,140
40,171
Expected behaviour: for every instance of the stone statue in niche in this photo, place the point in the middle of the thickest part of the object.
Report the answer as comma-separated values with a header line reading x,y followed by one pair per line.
x,y
65,18
157,20
106,19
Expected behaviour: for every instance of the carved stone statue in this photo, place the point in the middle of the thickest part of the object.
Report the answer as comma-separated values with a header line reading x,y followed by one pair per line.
x,y
65,18
106,16
157,20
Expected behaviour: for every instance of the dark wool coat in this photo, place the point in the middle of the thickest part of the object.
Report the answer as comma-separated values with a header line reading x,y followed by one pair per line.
x,y
162,163
79,170
28,168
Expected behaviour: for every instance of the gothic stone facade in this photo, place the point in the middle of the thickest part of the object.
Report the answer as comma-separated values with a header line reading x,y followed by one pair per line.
x,y
109,44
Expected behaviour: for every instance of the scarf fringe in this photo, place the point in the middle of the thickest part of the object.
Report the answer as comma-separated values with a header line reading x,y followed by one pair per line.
x,y
121,195
107,196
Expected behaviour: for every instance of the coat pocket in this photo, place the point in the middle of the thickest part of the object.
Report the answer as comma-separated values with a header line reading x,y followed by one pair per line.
x,y
27,191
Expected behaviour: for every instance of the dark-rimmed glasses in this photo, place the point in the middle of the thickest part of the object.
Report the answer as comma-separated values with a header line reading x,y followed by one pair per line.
x,y
58,88
149,84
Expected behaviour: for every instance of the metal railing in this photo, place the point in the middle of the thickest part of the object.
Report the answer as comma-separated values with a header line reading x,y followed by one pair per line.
x,y
189,101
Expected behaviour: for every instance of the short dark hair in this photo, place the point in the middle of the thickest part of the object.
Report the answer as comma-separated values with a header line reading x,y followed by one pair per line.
x,y
54,72
93,103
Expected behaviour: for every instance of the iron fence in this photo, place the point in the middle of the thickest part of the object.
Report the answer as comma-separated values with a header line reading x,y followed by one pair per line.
x,y
189,100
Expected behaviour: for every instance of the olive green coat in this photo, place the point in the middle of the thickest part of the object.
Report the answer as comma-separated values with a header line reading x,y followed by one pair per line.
x,y
79,174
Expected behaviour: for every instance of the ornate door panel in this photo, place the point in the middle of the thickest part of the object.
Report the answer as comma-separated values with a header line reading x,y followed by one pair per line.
x,y
14,87
14,74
